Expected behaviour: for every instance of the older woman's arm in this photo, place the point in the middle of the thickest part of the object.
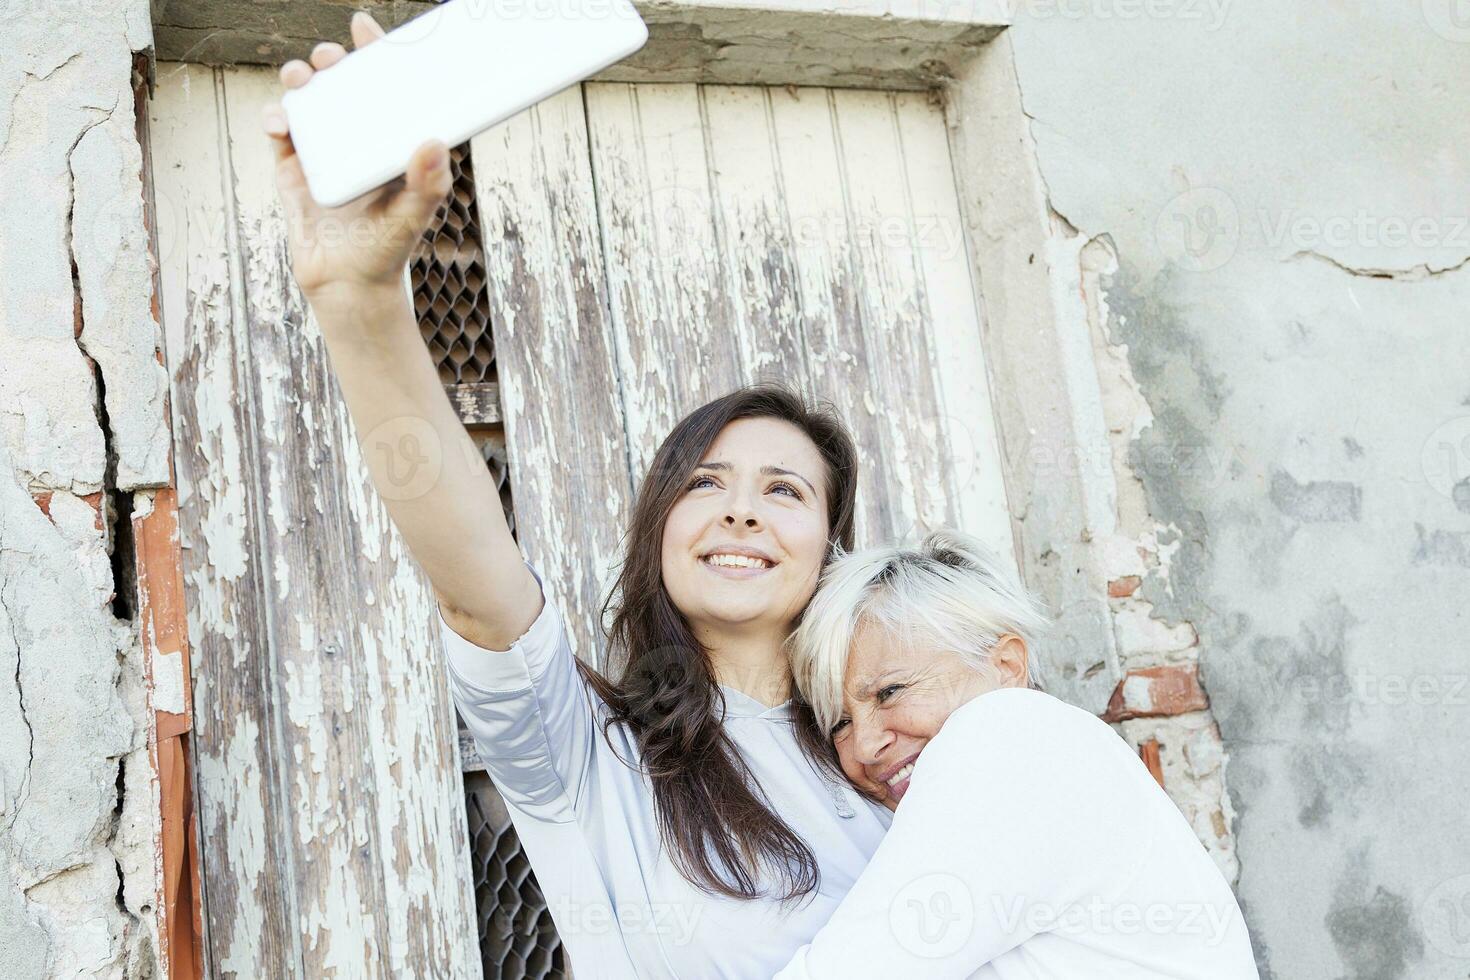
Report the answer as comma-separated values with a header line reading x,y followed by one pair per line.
x,y
1005,827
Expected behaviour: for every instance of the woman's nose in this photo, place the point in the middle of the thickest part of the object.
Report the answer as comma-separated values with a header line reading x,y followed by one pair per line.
x,y
870,740
741,511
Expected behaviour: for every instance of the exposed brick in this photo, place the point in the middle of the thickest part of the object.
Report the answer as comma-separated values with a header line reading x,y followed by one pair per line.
x,y
1156,691
1149,753
43,501
95,499
1125,586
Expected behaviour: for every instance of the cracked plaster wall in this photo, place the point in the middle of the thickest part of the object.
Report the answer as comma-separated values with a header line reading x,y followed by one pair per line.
x,y
83,432
1267,209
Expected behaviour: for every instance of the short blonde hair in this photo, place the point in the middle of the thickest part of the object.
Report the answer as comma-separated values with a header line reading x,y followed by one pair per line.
x,y
951,591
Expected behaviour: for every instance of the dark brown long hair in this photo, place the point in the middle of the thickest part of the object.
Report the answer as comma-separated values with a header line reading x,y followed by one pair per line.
x,y
713,817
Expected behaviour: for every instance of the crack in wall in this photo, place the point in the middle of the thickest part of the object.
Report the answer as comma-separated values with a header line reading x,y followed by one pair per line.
x,y
118,545
23,794
1415,273
28,78
120,550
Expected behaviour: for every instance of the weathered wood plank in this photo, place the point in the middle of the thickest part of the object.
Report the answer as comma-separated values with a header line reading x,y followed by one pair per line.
x,y
555,351
469,755
832,310
754,234
250,905
376,794
366,849
967,419
879,217
477,403
678,345
748,233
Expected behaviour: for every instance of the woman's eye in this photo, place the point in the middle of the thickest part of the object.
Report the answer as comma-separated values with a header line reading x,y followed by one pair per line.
x,y
694,483
789,488
838,729
885,693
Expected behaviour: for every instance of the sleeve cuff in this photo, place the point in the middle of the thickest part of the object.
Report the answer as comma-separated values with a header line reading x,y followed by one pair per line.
x,y
504,670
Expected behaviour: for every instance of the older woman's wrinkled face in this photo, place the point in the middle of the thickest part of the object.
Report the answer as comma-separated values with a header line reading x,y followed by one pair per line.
x,y
896,697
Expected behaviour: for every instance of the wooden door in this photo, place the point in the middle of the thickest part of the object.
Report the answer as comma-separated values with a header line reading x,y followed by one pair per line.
x,y
332,829
651,246
646,248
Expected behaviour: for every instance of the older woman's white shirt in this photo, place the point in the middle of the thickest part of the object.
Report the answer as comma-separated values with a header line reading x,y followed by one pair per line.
x,y
586,818
1033,844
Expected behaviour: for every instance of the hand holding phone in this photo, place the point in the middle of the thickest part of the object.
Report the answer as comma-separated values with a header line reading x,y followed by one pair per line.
x,y
366,241
449,73
362,139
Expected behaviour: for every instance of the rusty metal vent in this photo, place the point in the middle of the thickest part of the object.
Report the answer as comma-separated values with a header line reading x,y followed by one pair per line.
x,y
449,292
517,938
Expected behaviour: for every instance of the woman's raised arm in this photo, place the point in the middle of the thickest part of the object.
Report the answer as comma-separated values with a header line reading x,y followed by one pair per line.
x,y
349,262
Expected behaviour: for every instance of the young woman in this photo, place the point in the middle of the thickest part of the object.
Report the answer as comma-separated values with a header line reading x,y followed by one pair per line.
x,y
1028,841
674,815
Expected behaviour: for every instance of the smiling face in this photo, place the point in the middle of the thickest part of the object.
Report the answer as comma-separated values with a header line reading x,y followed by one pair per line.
x,y
896,697
743,546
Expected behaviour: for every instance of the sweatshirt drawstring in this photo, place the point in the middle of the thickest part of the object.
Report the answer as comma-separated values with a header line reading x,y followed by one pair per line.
x,y
839,798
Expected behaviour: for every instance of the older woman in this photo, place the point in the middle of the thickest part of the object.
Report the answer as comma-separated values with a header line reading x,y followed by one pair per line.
x,y
1027,839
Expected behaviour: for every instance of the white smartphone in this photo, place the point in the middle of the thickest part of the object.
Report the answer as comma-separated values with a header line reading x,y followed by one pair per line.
x,y
449,73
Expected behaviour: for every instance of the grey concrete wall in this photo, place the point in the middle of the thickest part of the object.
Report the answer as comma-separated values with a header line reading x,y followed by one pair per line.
x,y
82,428
1284,189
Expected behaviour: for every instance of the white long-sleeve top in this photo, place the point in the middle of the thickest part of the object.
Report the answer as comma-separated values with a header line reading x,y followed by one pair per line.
x,y
586,819
1032,844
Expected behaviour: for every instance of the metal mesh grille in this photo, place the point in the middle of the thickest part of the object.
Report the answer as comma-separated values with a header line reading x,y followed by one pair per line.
x,y
517,938
452,304
449,293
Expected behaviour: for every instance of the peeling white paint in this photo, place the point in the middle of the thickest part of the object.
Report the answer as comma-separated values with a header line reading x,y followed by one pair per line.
x,y
344,765
168,682
232,798
1146,640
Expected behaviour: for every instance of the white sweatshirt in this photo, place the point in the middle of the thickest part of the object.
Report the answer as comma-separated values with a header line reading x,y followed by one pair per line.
x,y
585,815
1032,843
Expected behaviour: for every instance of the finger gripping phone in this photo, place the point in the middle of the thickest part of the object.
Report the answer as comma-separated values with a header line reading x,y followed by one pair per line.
x,y
449,73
